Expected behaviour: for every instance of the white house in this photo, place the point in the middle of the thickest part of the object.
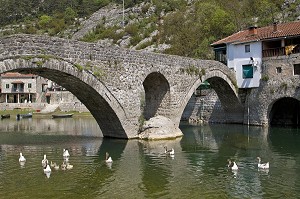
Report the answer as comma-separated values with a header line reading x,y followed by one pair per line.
x,y
245,50
20,88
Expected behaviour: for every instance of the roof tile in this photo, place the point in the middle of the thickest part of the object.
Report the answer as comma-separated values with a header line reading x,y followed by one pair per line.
x,y
283,30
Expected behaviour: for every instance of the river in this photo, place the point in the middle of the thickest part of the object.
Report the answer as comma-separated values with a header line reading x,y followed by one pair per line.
x,y
140,169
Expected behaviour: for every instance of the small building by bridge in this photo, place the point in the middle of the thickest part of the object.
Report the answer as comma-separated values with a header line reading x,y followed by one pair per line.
x,y
246,51
266,62
20,88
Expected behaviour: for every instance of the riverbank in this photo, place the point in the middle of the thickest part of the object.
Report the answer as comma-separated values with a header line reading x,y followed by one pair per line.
x,y
14,112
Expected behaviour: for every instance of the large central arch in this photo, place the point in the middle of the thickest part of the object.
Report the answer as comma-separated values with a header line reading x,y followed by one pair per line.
x,y
86,87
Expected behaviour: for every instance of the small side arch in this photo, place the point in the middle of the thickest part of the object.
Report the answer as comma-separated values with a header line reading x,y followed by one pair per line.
x,y
226,92
284,111
157,96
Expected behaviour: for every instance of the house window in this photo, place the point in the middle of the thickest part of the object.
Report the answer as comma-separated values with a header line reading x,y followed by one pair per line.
x,y
296,69
247,71
29,85
6,85
247,48
278,69
220,55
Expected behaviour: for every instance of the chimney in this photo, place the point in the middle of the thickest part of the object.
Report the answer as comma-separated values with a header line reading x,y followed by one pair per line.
x,y
252,30
274,27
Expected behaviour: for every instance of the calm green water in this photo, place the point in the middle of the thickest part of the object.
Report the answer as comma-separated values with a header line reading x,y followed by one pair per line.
x,y
141,169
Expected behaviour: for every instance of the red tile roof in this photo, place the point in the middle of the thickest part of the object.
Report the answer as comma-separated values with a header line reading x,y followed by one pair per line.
x,y
283,30
17,75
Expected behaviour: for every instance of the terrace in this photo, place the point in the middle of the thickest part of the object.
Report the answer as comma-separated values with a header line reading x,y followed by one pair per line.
x,y
282,47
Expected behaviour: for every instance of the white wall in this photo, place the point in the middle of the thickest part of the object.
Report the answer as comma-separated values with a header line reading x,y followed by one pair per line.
x,y
26,81
237,57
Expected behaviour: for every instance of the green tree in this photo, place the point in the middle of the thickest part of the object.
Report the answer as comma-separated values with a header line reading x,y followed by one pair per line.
x,y
45,21
70,15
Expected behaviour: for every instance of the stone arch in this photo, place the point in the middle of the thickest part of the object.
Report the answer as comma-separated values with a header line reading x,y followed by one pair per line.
x,y
226,91
157,95
104,107
284,111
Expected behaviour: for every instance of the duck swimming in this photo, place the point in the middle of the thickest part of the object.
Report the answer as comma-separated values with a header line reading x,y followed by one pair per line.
x,y
66,154
169,152
262,166
56,167
63,166
44,161
232,165
108,159
69,166
22,158
47,169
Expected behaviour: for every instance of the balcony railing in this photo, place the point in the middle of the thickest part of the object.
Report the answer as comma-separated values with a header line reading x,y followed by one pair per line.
x,y
287,50
17,90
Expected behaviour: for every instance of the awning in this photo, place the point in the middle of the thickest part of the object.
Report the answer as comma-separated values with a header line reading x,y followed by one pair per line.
x,y
18,82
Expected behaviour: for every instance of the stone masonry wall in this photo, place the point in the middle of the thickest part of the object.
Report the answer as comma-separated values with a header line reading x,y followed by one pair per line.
x,y
273,86
204,108
109,80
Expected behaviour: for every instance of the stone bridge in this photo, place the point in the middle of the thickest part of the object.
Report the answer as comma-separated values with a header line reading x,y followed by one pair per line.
x,y
121,88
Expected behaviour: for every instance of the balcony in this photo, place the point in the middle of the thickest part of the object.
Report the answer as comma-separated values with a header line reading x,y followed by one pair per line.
x,y
287,50
18,90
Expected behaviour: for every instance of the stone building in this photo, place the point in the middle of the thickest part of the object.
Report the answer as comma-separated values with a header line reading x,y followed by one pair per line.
x,y
245,51
21,88
33,91
266,62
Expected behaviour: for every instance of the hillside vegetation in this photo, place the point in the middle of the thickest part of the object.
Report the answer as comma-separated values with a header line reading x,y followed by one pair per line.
x,y
179,27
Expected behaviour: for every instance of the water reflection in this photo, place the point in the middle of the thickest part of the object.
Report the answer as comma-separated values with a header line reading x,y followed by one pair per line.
x,y
141,169
157,166
84,126
22,164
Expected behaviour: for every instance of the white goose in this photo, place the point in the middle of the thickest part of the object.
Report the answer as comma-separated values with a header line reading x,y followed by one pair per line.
x,y
47,169
69,166
232,165
262,166
44,161
52,164
22,158
66,154
56,167
169,152
63,166
108,159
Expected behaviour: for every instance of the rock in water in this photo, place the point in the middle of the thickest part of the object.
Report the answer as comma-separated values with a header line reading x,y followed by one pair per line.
x,y
159,127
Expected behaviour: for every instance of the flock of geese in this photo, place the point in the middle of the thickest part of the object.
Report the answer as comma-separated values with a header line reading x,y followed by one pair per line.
x,y
45,163
64,166
233,166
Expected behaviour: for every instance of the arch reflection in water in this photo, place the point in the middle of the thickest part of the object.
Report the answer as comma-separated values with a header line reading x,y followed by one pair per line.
x,y
84,126
198,169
